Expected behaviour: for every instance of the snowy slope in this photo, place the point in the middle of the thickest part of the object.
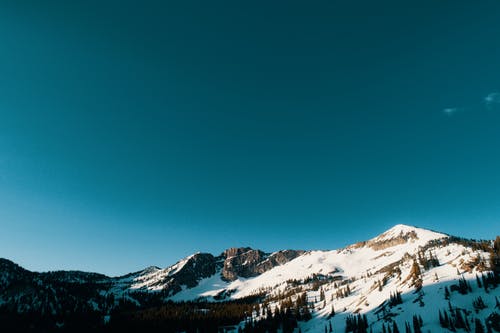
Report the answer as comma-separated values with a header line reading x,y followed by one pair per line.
x,y
388,257
422,265
351,262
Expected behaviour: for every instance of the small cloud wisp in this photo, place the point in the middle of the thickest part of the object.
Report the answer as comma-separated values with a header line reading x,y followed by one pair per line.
x,y
450,111
492,99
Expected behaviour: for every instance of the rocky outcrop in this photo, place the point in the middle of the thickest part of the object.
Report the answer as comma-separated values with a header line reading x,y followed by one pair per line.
x,y
185,273
385,241
383,244
277,259
241,262
246,262
199,266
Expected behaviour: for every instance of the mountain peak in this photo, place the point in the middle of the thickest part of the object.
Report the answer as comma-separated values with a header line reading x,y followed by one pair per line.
x,y
401,234
402,226
401,230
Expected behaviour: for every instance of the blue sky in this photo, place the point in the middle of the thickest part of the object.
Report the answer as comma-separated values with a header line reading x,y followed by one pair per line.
x,y
136,133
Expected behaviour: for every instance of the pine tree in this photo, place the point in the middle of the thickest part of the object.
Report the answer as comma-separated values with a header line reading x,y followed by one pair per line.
x,y
446,293
395,328
478,303
459,320
407,327
395,299
463,286
416,325
479,326
479,284
495,259
416,275
485,282
452,326
446,319
467,327
488,328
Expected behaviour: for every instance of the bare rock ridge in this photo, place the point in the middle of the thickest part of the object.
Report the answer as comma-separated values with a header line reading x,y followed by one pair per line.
x,y
233,263
240,262
199,266
230,265
246,262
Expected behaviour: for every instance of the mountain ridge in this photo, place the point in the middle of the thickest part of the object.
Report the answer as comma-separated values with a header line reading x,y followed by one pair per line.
x,y
229,255
358,278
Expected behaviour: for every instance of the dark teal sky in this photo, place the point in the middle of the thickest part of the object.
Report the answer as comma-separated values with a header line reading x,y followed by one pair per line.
x,y
135,133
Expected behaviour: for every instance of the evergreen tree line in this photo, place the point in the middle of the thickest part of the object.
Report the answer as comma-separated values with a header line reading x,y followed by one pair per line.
x,y
493,248
395,298
453,319
489,281
285,318
387,329
356,323
429,261
417,325
343,292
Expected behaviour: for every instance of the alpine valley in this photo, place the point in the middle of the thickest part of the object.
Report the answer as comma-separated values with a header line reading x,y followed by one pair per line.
x,y
407,279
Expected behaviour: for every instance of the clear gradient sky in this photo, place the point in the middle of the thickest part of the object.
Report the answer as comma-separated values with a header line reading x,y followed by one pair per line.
x,y
136,133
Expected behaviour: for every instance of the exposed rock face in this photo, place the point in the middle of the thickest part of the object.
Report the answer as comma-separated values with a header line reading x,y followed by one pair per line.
x,y
241,262
187,272
277,259
235,251
247,262
199,266
383,244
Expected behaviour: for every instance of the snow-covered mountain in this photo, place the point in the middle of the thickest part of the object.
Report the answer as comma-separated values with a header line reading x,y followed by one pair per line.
x,y
402,274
